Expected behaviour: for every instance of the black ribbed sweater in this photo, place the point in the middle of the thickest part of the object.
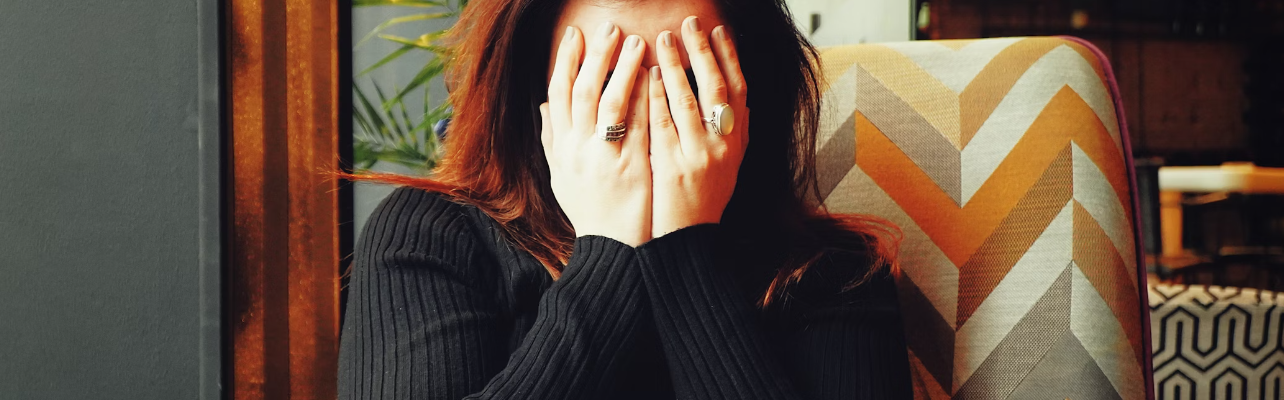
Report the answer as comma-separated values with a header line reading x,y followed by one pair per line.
x,y
440,306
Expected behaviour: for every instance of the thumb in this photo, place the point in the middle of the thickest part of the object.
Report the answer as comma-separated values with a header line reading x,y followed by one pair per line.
x,y
546,133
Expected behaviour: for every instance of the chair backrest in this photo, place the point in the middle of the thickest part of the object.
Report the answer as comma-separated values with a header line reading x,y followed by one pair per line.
x,y
1006,165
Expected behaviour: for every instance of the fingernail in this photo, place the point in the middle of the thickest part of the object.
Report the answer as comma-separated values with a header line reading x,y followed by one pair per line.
x,y
666,37
655,73
694,24
717,33
606,29
632,41
570,32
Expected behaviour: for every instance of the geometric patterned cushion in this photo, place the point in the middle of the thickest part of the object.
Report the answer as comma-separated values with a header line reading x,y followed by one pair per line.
x,y
1217,342
1003,163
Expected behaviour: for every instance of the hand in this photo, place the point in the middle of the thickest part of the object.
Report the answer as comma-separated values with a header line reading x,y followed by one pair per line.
x,y
603,187
693,168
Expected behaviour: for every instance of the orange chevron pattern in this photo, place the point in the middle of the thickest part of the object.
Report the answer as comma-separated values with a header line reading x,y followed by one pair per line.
x,y
1005,157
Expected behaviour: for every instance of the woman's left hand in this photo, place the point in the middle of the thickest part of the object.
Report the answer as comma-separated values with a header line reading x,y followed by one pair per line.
x,y
693,169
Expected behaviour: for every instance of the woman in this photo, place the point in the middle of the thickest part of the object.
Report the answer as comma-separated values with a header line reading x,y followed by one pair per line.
x,y
601,228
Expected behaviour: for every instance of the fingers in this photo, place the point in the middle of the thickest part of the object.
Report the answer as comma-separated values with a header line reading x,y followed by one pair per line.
x,y
684,108
664,135
729,62
546,133
637,140
562,79
588,84
615,100
713,90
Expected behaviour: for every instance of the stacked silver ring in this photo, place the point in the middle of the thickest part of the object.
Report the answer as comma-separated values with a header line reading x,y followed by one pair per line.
x,y
611,133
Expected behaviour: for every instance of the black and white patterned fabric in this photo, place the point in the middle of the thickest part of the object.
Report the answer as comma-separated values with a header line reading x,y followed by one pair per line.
x,y
1214,342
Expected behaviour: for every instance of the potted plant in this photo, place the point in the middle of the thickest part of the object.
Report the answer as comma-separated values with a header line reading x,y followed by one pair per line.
x,y
386,130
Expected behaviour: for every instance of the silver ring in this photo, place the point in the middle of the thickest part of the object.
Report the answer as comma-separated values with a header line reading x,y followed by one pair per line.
x,y
722,118
612,133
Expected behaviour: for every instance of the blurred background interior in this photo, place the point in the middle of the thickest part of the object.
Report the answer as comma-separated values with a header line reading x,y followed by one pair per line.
x,y
166,233
1204,99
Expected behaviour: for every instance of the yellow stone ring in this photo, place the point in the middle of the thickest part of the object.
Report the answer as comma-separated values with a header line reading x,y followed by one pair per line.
x,y
722,119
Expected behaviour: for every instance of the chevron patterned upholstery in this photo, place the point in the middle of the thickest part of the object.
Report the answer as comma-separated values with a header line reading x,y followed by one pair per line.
x,y
1004,163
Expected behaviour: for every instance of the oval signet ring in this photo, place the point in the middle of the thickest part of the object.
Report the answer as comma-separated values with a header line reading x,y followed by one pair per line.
x,y
722,118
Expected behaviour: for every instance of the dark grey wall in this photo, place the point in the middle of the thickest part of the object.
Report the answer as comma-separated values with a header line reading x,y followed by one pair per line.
x,y
108,181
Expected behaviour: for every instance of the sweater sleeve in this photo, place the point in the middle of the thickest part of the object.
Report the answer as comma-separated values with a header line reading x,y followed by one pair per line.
x,y
423,319
847,346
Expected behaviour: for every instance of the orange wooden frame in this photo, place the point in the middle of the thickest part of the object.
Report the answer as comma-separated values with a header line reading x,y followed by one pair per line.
x,y
282,300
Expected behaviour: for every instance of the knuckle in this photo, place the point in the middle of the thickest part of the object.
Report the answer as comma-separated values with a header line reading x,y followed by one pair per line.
x,y
718,88
611,106
719,151
688,102
557,96
584,93
737,86
663,122
557,87
657,92
700,162
636,124
597,50
702,46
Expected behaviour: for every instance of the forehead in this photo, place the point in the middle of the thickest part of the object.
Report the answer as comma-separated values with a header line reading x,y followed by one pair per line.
x,y
645,18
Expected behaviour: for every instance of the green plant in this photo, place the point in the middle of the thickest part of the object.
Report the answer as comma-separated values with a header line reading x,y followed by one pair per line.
x,y
383,135
386,130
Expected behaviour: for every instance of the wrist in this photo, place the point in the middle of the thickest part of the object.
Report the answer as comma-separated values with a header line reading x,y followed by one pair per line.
x,y
703,230
628,238
660,229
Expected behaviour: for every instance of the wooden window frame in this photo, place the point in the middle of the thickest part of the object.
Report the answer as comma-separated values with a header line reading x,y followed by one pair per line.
x,y
287,222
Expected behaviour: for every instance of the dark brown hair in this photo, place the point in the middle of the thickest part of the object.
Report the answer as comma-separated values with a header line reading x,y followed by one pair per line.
x,y
493,158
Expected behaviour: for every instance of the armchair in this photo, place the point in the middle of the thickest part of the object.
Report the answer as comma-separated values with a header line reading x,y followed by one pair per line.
x,y
1006,164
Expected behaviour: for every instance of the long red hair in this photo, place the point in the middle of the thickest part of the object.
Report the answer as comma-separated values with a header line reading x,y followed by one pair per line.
x,y
493,158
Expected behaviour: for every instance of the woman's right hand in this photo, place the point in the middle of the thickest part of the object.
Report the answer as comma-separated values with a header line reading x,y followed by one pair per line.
x,y
604,187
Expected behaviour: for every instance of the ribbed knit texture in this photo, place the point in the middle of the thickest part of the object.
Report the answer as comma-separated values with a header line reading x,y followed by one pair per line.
x,y
839,345
442,307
